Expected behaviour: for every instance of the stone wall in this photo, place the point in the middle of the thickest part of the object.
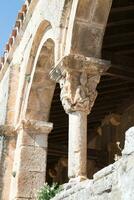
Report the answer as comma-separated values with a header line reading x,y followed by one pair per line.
x,y
1,162
115,182
4,88
3,97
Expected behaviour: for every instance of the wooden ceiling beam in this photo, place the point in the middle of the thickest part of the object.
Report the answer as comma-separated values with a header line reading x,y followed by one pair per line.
x,y
116,83
125,51
120,22
126,28
120,62
122,9
119,43
120,76
118,37
62,151
107,78
129,88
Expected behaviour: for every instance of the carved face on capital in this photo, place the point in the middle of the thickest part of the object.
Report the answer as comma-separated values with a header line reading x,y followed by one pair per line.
x,y
83,78
92,82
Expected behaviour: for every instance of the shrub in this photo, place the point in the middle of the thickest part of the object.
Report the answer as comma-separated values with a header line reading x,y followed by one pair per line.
x,y
47,192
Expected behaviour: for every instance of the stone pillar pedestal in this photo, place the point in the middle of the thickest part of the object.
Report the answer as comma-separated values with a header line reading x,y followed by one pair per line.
x,y
77,161
78,77
29,168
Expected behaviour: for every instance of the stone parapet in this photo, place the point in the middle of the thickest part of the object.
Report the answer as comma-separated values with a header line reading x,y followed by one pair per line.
x,y
129,142
114,182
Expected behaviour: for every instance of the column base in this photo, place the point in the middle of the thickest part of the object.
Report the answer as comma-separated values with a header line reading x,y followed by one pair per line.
x,y
78,179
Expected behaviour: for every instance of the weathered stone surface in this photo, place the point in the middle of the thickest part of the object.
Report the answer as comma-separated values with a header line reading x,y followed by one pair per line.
x,y
129,142
89,40
10,114
34,133
8,157
41,140
104,172
102,8
26,51
29,169
89,26
103,184
25,138
77,165
84,9
4,96
78,77
71,189
115,182
32,159
36,126
33,182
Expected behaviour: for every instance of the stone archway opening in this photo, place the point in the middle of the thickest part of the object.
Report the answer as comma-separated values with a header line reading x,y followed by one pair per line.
x,y
57,161
112,113
42,88
32,141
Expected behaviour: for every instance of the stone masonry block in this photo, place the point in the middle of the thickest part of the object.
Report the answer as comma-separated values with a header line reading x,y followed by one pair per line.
x,y
89,40
129,142
104,172
84,9
29,183
32,159
41,140
101,11
25,138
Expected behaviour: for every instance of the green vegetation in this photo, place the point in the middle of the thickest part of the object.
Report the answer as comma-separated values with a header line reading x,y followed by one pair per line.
x,y
48,192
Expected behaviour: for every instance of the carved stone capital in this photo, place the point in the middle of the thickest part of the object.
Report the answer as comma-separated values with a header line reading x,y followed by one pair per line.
x,y
35,126
78,77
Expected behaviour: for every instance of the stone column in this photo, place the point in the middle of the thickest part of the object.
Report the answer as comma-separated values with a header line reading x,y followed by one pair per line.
x,y
77,162
6,162
78,77
30,160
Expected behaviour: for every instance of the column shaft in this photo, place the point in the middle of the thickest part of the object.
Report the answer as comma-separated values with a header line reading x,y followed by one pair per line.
x,y
77,145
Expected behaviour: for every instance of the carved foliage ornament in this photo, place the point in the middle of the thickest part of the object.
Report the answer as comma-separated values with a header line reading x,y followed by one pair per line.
x,y
78,85
78,92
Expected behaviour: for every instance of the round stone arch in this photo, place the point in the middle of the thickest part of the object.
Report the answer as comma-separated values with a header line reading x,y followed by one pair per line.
x,y
86,27
42,88
42,47
32,140
89,27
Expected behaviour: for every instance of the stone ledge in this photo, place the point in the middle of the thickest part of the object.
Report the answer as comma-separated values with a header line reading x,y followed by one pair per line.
x,y
129,142
72,188
38,126
104,172
114,182
77,62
